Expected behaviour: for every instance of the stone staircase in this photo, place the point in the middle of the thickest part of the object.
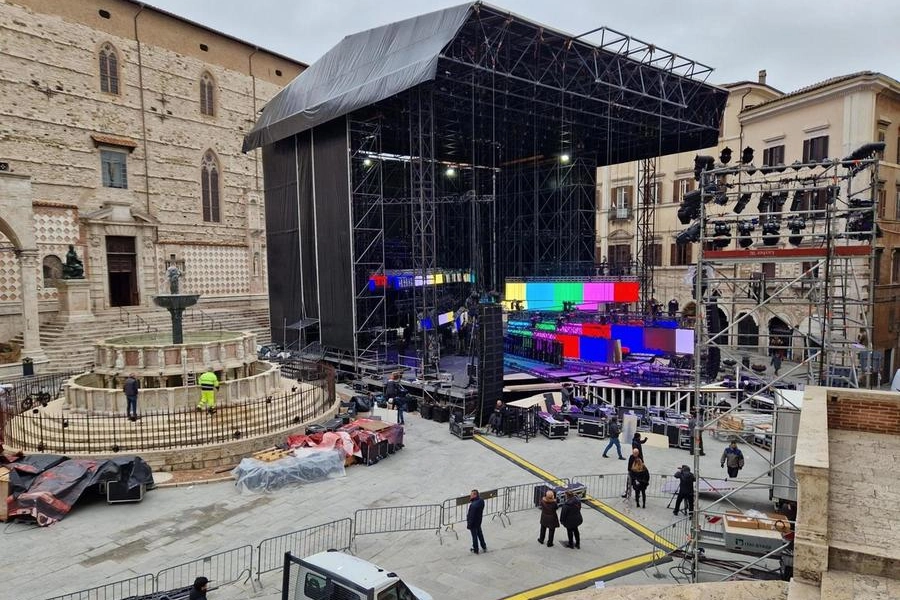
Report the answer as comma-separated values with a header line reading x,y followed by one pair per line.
x,y
70,346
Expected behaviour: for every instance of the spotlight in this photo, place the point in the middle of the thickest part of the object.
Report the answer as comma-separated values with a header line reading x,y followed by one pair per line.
x,y
859,225
863,152
725,155
564,158
367,162
770,232
702,163
747,155
796,224
797,200
779,200
765,202
690,207
689,235
745,228
721,198
722,235
742,203
450,172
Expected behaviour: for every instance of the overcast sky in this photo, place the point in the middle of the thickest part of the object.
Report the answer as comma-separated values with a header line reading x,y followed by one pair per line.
x,y
799,42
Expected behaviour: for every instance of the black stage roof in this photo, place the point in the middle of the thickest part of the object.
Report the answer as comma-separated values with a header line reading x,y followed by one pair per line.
x,y
502,80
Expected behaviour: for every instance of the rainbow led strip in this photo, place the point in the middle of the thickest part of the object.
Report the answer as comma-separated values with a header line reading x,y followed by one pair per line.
x,y
595,341
399,280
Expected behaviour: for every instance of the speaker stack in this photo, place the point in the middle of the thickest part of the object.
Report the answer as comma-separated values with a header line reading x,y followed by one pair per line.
x,y
490,359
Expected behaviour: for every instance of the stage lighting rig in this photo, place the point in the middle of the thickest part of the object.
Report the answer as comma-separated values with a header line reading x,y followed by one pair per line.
x,y
796,224
745,227
690,207
689,235
770,232
863,152
742,203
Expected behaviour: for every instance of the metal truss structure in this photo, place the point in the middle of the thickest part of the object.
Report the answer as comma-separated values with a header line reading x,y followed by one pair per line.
x,y
816,222
646,230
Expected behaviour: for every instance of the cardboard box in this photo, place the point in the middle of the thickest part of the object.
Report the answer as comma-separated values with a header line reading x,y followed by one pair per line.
x,y
775,522
734,519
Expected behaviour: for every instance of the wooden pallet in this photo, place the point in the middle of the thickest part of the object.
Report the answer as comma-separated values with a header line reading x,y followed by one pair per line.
x,y
271,454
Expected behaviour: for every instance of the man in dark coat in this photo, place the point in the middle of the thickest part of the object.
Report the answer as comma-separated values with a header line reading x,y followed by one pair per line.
x,y
131,388
473,521
733,458
614,432
685,489
570,518
198,591
395,394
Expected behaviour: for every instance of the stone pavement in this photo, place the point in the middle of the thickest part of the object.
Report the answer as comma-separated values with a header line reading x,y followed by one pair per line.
x,y
98,543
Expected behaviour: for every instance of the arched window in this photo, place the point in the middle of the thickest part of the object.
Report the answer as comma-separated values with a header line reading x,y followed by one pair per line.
x,y
109,69
209,187
52,267
207,95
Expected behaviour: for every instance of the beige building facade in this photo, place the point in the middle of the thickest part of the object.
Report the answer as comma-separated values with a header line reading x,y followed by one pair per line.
x,y
121,136
833,118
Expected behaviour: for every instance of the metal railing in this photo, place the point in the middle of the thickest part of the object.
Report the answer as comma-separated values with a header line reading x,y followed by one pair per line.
x,y
214,324
336,535
454,510
222,568
397,518
126,588
37,431
127,317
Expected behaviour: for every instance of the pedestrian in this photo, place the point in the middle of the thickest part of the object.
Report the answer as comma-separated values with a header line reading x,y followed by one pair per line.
x,y
640,479
198,590
776,361
570,518
638,444
131,388
635,454
496,420
209,383
395,394
685,489
613,431
474,516
733,458
549,520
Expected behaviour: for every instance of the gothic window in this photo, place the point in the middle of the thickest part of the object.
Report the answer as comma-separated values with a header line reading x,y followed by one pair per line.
x,y
207,95
109,69
209,187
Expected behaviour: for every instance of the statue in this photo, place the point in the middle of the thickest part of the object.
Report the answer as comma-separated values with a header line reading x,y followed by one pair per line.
x,y
173,273
74,268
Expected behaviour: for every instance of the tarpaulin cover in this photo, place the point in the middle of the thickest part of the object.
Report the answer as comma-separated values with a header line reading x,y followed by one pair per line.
x,y
362,69
45,487
258,476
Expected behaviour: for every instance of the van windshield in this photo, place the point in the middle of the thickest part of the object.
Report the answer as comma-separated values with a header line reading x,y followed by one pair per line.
x,y
398,591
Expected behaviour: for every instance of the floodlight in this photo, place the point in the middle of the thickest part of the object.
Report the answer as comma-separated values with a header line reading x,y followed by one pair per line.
x,y
367,162
778,201
863,152
742,203
564,158
765,202
745,228
450,172
689,235
796,224
747,155
770,231
702,163
725,155
797,200
690,207
721,234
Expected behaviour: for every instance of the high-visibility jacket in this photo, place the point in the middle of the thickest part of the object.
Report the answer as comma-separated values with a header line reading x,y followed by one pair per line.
x,y
209,381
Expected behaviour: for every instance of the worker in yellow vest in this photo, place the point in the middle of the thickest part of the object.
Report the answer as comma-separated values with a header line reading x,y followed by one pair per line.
x,y
209,383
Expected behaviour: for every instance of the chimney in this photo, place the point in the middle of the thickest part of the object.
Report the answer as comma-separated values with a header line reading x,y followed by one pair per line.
x,y
762,76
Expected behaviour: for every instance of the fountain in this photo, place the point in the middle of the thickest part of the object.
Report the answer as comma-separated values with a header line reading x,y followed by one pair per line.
x,y
175,302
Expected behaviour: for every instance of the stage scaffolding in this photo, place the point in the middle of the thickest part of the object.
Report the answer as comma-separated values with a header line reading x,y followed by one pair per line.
x,y
817,222
648,250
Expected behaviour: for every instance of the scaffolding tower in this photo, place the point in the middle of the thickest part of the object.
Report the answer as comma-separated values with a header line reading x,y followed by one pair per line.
x,y
647,253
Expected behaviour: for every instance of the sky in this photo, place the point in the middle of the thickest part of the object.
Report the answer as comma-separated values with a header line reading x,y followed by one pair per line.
x,y
798,42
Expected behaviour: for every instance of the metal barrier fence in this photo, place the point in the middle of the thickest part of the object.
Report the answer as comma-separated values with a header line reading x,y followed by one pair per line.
x,y
222,568
678,534
613,486
38,432
336,535
454,510
135,586
397,518
522,497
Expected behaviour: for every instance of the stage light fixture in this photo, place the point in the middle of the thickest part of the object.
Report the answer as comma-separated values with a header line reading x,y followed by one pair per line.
x,y
747,155
725,155
690,207
796,165
770,231
765,202
450,172
721,198
367,162
702,162
859,225
779,200
796,224
689,235
863,152
797,200
745,227
564,158
721,234
742,203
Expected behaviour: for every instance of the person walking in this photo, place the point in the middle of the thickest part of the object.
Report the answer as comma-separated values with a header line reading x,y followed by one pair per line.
x,y
614,432
733,458
549,520
209,383
394,393
131,388
638,444
496,420
635,454
570,518
198,590
685,489
640,479
776,361
474,516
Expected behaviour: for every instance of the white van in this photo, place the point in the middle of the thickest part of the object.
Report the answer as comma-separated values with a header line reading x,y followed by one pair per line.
x,y
334,575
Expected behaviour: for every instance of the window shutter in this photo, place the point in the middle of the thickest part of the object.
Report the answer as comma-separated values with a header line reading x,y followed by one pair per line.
x,y
629,191
806,151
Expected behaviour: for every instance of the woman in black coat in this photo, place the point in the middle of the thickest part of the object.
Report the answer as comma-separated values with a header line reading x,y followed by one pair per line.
x,y
570,518
638,443
549,520
640,479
